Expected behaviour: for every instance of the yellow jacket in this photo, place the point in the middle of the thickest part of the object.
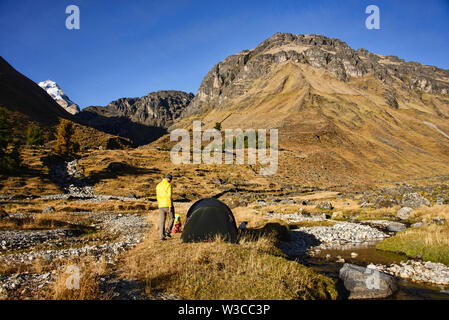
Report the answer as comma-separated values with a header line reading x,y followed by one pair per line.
x,y
163,194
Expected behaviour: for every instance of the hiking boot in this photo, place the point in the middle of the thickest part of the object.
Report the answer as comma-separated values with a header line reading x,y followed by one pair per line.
x,y
168,235
163,239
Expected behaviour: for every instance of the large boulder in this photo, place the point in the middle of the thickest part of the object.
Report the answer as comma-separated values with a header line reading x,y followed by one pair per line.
x,y
404,213
414,200
383,202
391,226
325,205
365,283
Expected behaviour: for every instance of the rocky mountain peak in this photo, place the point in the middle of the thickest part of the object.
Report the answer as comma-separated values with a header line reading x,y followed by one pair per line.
x,y
235,75
59,96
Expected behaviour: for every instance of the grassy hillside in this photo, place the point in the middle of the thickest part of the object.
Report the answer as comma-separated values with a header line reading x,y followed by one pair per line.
x,y
337,133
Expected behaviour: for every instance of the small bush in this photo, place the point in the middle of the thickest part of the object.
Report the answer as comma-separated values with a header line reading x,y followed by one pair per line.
x,y
33,136
9,146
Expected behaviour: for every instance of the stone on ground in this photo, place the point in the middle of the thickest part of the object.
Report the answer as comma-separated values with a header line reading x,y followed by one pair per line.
x,y
364,283
48,209
414,200
404,213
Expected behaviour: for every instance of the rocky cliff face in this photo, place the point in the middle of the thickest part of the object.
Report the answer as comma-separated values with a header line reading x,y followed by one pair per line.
x,y
140,119
236,74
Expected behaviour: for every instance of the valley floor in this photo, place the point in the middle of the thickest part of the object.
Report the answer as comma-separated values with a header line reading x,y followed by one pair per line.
x,y
95,220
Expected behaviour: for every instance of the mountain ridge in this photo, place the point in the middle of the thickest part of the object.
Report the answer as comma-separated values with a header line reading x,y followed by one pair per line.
x,y
320,52
142,119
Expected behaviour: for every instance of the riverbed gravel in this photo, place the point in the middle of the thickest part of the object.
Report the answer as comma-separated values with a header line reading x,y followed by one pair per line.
x,y
328,237
418,271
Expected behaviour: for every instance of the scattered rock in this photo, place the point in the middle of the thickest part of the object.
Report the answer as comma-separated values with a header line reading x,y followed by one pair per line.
x,y
354,255
390,226
123,289
217,181
336,214
49,209
419,271
234,203
325,205
437,220
404,213
131,195
302,215
20,239
365,283
382,202
287,201
414,200
417,224
365,204
336,236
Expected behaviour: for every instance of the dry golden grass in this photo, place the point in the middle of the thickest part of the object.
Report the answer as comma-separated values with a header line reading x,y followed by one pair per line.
x,y
253,269
90,272
32,178
283,208
254,218
37,266
429,213
64,206
139,171
324,223
39,223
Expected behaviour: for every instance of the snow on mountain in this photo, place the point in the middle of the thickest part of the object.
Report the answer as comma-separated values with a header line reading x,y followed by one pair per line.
x,y
59,96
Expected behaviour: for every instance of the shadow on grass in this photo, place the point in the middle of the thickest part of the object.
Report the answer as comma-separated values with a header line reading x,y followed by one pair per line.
x,y
30,224
139,133
276,231
117,169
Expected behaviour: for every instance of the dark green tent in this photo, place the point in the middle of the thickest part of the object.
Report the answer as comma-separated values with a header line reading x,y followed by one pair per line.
x,y
207,219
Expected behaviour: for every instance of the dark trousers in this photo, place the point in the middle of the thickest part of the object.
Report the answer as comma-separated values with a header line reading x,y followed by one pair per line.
x,y
163,212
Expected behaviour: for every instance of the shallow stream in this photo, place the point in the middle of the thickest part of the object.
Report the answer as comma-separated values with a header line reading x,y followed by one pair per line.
x,y
367,254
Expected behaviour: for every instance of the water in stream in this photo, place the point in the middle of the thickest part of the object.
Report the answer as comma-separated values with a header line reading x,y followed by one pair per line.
x,y
367,254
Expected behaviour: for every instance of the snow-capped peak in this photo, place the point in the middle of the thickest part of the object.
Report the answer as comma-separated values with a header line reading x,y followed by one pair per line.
x,y
59,96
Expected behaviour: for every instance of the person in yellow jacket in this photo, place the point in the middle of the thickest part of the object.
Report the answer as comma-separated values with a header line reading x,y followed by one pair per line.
x,y
165,204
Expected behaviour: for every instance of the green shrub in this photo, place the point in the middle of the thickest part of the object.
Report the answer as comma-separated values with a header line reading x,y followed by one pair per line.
x,y
34,136
9,146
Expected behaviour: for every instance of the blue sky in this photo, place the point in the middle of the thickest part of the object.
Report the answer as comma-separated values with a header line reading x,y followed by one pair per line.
x,y
131,48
